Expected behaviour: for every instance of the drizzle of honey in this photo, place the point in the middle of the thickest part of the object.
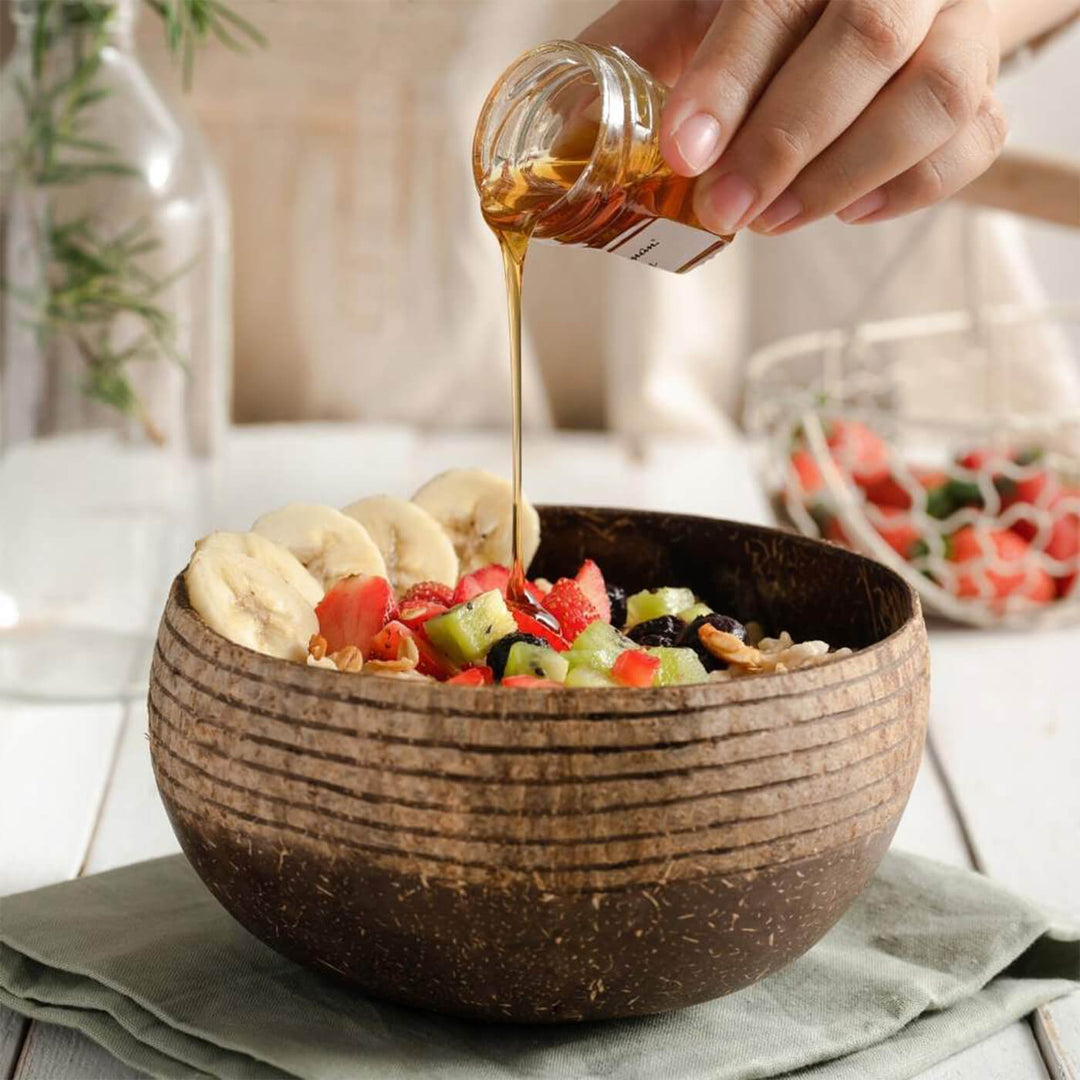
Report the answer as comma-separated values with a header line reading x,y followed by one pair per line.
x,y
530,199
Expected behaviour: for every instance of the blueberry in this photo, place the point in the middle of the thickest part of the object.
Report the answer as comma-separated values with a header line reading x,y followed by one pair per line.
x,y
657,632
689,638
616,594
498,653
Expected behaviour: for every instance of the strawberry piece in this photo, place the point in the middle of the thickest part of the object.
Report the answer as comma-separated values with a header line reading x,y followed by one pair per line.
x,y
527,624
1037,488
807,472
1026,528
592,584
530,682
634,667
964,545
1029,580
428,592
859,451
897,531
1064,540
930,479
416,614
571,607
480,581
982,457
354,610
431,662
889,491
481,675
1040,587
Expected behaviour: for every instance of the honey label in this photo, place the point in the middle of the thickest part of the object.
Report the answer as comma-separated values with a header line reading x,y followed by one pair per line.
x,y
669,245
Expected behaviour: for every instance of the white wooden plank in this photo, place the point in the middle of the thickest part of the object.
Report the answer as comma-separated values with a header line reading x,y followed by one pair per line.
x,y
132,825
12,1032
58,1053
1006,721
1011,696
930,828
1057,1030
1011,1054
54,762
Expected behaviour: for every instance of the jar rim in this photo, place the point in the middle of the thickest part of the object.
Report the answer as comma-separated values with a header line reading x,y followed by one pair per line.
x,y
596,59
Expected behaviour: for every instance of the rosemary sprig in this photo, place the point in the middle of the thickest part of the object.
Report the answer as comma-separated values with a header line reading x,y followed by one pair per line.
x,y
188,24
89,279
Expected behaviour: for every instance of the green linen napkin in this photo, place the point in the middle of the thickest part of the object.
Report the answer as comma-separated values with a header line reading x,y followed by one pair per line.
x,y
928,960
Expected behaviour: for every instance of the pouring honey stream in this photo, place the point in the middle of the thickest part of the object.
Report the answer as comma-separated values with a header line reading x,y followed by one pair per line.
x,y
566,150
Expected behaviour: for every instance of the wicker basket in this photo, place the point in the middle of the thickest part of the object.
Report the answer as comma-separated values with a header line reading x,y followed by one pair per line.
x,y
976,505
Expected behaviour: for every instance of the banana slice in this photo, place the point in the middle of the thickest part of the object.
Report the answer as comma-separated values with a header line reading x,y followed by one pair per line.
x,y
250,604
413,544
475,508
273,556
327,542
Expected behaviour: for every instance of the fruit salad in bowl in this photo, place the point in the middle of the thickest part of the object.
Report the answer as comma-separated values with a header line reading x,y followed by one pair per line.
x,y
421,590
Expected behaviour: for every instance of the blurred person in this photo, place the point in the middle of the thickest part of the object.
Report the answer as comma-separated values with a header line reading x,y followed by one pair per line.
x,y
369,288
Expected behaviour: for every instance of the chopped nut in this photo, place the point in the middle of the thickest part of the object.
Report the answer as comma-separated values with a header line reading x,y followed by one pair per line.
x,y
407,650
392,671
384,667
729,648
317,646
777,654
348,659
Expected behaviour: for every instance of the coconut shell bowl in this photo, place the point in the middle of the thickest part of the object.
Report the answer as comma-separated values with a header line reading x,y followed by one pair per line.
x,y
550,855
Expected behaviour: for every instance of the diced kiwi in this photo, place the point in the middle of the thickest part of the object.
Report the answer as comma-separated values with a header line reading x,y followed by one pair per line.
x,y
602,642
466,632
538,660
587,676
694,611
593,659
679,667
651,604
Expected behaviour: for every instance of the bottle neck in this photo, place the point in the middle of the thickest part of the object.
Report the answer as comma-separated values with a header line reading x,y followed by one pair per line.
x,y
563,122
94,23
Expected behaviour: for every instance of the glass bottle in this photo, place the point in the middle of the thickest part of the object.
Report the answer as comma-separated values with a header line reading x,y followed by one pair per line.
x,y
115,349
566,149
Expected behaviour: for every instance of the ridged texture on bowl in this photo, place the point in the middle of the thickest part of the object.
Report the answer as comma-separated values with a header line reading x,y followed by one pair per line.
x,y
554,855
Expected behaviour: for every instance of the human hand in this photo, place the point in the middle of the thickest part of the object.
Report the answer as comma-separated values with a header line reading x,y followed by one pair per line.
x,y
790,110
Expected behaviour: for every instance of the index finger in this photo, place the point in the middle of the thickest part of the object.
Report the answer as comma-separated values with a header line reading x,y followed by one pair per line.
x,y
836,71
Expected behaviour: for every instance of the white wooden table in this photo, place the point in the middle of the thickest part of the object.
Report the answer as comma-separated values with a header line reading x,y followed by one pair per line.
x,y
999,788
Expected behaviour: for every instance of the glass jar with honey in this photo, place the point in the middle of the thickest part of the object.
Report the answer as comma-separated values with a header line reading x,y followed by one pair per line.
x,y
566,149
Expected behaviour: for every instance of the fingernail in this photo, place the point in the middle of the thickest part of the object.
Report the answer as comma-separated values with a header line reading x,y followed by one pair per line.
x,y
697,140
869,204
725,202
779,212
